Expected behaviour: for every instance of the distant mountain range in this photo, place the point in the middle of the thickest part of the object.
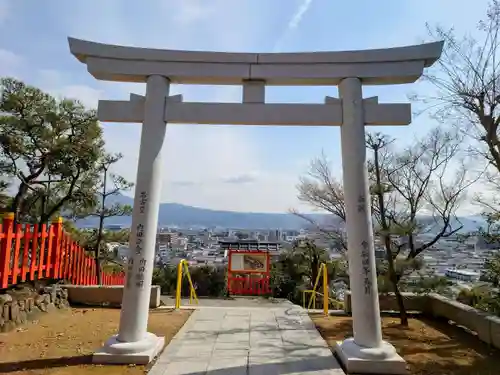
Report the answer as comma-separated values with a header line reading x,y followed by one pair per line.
x,y
175,214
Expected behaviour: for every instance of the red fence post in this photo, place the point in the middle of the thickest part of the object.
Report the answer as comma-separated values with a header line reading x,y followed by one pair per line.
x,y
26,250
72,271
42,262
65,257
79,252
56,246
62,257
17,245
78,275
93,274
6,248
85,269
49,260
89,270
34,252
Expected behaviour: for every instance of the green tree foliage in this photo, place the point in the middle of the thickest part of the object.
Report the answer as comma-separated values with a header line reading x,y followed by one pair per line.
x,y
297,269
5,199
49,151
492,270
481,297
209,281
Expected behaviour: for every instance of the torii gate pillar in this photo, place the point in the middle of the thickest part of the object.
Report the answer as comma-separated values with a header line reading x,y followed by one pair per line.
x,y
366,352
133,343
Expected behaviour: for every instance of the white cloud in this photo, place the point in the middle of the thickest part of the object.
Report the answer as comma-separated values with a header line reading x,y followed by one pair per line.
x,y
58,85
293,23
242,178
297,17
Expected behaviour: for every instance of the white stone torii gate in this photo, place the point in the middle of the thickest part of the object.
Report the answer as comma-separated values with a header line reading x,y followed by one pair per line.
x,y
366,352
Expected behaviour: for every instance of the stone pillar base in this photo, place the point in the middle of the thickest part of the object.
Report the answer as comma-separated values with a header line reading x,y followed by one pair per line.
x,y
360,360
129,353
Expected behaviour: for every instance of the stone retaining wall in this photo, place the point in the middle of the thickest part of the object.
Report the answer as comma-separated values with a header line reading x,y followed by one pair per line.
x,y
105,295
486,326
18,306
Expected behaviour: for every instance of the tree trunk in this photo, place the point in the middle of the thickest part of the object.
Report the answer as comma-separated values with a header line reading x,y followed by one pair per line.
x,y
387,243
101,229
97,252
403,316
18,200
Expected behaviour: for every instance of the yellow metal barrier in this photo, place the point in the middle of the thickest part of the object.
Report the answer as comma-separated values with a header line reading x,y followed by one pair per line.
x,y
323,271
182,268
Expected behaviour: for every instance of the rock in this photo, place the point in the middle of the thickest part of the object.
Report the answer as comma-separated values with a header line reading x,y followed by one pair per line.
x,y
14,312
23,317
62,303
29,304
51,292
8,326
40,300
6,312
5,298
64,293
22,305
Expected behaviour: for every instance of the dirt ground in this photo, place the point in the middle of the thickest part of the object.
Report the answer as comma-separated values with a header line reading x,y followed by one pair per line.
x,y
429,347
61,343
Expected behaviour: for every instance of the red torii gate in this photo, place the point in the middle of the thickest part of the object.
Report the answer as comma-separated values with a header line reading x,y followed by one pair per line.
x,y
249,266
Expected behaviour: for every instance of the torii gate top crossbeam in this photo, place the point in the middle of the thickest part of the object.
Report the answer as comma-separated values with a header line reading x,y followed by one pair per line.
x,y
373,67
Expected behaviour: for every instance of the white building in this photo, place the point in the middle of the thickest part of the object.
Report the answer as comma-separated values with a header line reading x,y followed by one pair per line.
x,y
462,275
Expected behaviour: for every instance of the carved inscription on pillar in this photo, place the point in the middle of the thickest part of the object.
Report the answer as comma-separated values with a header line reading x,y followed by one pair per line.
x,y
143,199
137,277
130,269
139,234
361,204
365,261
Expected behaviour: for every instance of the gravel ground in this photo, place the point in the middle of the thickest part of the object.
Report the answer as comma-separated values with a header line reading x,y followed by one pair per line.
x,y
62,342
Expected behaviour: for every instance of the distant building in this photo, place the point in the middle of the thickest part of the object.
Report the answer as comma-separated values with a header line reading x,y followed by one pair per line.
x,y
271,246
167,238
462,275
114,227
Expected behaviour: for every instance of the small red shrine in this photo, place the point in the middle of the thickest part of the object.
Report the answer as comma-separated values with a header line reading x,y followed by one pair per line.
x,y
249,266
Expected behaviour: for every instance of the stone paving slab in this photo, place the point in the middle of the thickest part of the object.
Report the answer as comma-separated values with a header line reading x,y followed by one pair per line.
x,y
253,341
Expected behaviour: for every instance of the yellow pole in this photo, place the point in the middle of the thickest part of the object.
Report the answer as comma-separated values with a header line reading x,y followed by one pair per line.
x,y
179,285
316,282
326,293
191,286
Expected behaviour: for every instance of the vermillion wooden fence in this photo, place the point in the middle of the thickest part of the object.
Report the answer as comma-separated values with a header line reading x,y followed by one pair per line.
x,y
33,252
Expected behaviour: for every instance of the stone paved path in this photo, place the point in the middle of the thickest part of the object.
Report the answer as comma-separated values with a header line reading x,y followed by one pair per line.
x,y
225,341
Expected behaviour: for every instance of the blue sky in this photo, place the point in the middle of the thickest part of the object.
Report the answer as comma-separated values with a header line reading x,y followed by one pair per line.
x,y
202,163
